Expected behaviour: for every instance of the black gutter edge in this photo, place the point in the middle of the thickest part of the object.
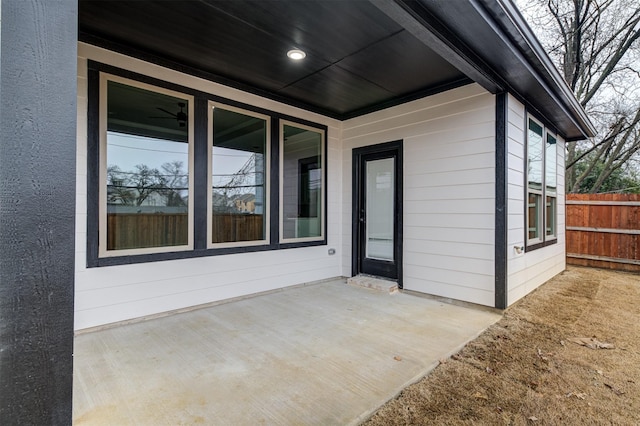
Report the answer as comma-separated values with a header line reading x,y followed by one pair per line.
x,y
516,28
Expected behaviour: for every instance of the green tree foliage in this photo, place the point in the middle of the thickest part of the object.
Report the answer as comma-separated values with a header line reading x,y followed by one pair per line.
x,y
619,180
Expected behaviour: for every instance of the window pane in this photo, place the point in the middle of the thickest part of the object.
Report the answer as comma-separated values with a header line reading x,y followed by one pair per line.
x,y
551,217
550,165
534,155
238,177
302,183
534,216
535,176
147,168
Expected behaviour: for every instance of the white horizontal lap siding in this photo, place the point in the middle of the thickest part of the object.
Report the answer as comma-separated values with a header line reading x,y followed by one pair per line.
x,y
527,271
117,293
110,294
449,190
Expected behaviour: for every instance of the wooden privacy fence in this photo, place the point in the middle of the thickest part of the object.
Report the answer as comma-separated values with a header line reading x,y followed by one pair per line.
x,y
141,230
603,230
230,227
136,230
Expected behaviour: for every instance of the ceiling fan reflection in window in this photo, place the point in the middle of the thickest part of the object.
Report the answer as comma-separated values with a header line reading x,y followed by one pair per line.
x,y
180,116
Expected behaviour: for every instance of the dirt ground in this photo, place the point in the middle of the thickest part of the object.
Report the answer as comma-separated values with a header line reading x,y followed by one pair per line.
x,y
526,369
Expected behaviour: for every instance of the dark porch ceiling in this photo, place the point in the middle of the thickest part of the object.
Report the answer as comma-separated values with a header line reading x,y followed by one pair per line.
x,y
362,55
358,59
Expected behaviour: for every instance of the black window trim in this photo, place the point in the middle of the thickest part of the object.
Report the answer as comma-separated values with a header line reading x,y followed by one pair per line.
x,y
546,240
200,172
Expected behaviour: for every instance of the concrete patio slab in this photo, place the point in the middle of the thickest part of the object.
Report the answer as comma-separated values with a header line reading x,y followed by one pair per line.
x,y
322,354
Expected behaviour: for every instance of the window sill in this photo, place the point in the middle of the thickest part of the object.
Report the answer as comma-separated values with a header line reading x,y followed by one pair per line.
x,y
537,246
189,254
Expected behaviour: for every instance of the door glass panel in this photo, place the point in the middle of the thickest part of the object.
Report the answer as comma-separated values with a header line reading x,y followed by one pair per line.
x,y
379,209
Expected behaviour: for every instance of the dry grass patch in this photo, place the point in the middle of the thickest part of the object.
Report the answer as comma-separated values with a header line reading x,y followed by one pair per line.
x,y
525,369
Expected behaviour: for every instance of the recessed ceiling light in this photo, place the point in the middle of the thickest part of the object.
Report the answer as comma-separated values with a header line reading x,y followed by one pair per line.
x,y
296,54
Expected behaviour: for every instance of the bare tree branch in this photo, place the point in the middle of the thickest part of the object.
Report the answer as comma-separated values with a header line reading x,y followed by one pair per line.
x,y
595,44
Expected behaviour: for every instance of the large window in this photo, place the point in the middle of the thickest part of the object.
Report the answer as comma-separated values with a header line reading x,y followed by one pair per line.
x,y
239,154
145,194
302,182
541,185
175,172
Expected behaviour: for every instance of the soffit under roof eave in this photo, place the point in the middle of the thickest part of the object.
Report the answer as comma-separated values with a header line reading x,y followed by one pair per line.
x,y
126,50
429,30
442,32
109,45
458,32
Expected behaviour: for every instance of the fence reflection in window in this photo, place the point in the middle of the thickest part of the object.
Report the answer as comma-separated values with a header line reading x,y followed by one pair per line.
x,y
238,176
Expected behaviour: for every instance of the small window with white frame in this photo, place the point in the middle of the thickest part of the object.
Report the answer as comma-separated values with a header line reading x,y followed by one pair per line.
x,y
542,191
238,177
146,168
302,183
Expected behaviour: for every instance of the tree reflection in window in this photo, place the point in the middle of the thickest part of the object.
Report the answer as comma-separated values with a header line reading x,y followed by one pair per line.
x,y
238,172
147,169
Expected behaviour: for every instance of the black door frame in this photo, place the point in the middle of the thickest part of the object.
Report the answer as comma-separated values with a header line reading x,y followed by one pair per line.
x,y
357,207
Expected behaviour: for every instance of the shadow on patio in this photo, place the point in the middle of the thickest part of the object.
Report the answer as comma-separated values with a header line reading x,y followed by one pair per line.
x,y
325,353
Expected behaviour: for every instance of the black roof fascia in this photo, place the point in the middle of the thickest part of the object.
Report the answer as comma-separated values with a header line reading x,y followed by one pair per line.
x,y
463,26
515,26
